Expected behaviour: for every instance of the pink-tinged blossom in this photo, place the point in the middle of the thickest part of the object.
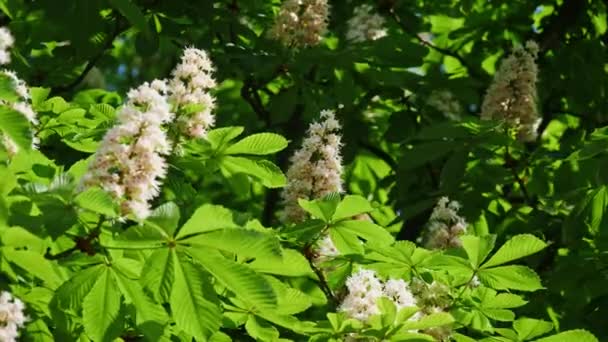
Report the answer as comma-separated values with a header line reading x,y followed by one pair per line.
x,y
12,317
512,96
130,163
301,23
365,25
316,168
189,92
445,225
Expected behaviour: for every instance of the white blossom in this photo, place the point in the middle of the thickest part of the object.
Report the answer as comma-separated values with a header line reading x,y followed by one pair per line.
x,y
365,25
445,225
301,23
189,87
397,290
316,168
364,290
130,163
6,42
12,317
512,96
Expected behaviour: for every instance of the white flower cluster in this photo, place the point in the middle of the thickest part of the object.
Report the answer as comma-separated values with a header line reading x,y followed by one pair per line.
x,y
512,95
129,164
445,102
365,25
316,168
189,88
11,317
445,225
301,23
364,290
6,42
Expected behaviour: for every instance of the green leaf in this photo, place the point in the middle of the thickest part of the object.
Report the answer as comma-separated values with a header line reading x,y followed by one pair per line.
x,y
346,242
504,301
16,127
8,89
577,335
292,264
517,247
219,137
98,201
34,264
258,144
133,14
366,230
478,248
261,330
158,274
323,208
166,217
137,237
453,170
430,321
267,172
243,242
147,310
193,312
207,218
528,328
238,278
515,277
72,293
101,309
350,206
37,331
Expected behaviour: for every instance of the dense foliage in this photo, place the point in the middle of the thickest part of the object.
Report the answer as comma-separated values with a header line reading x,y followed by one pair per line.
x,y
255,170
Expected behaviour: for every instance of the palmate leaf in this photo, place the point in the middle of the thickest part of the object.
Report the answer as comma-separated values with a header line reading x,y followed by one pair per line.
x,y
207,218
243,242
98,201
366,230
192,304
517,247
350,206
101,316
258,144
528,328
150,315
70,295
515,277
478,247
292,264
158,274
238,278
